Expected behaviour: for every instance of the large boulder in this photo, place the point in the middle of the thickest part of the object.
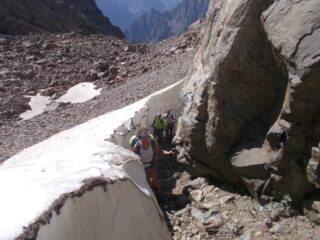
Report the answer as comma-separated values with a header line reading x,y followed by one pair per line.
x,y
251,102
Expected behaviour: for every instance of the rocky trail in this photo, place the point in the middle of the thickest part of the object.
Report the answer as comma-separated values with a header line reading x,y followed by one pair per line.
x,y
201,209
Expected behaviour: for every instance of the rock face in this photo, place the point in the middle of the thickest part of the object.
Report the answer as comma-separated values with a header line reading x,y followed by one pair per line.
x,y
155,26
150,27
22,17
251,111
118,13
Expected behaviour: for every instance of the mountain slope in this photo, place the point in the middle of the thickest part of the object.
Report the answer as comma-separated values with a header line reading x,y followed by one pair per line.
x,y
185,14
39,16
150,27
154,26
118,13
123,13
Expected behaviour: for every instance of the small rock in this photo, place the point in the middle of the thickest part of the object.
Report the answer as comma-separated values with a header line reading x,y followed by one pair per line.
x,y
257,234
213,224
91,76
49,46
197,183
114,70
276,229
196,195
245,236
226,199
101,66
208,205
28,74
268,223
130,48
195,230
27,44
42,61
275,215
48,92
176,229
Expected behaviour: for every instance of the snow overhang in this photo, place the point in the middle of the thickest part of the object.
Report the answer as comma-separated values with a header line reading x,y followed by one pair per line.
x,y
82,177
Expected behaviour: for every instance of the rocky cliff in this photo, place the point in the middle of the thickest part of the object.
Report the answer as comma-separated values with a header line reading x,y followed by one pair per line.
x,y
22,17
251,113
118,13
154,26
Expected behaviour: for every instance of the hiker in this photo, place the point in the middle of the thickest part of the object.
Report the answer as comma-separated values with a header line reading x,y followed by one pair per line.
x,y
159,124
135,138
147,149
170,120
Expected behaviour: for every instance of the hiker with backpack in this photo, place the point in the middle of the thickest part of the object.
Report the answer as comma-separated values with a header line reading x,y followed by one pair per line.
x,y
170,120
159,124
147,148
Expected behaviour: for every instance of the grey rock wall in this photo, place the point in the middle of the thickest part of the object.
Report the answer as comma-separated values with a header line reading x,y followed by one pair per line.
x,y
250,104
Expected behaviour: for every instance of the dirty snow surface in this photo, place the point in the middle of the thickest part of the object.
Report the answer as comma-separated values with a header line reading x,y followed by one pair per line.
x,y
34,178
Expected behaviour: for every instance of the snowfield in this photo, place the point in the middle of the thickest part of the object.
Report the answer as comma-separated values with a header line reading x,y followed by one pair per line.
x,y
82,184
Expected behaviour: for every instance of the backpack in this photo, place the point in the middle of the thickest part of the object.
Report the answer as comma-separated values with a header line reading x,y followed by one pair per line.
x,y
134,139
170,118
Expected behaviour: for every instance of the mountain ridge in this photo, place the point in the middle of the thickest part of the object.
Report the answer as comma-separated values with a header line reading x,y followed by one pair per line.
x,y
123,13
155,26
42,16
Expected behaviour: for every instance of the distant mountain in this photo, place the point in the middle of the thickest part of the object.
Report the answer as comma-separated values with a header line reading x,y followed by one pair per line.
x,y
155,26
118,14
149,27
39,16
186,13
123,13
139,7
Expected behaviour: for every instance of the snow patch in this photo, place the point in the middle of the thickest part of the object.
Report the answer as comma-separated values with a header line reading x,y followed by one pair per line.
x,y
79,93
38,103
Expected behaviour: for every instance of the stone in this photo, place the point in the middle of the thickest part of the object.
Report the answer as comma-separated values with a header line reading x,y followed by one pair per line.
x,y
226,199
245,236
196,195
276,229
313,168
28,74
276,136
113,70
208,205
130,48
50,91
49,46
91,76
275,215
213,223
182,212
42,62
27,44
101,66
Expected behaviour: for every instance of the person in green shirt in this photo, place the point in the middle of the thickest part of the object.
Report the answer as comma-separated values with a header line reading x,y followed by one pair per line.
x,y
159,124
